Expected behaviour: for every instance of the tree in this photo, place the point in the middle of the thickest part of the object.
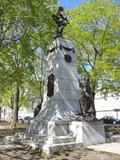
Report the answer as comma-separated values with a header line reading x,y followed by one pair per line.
x,y
94,29
24,26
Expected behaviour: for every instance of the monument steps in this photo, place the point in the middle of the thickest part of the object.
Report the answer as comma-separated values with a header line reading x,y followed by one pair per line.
x,y
21,138
48,145
54,140
57,147
62,139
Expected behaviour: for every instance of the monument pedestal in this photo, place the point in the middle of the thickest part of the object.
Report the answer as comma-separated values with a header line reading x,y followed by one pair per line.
x,y
75,134
59,138
61,90
64,135
88,133
53,128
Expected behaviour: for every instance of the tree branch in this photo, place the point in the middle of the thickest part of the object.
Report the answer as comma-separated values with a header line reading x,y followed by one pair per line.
x,y
88,59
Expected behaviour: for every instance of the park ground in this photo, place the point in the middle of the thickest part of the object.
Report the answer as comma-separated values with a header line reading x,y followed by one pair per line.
x,y
78,154
26,153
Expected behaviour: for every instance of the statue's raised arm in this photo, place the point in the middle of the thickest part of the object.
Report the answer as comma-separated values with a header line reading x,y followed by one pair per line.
x,y
61,19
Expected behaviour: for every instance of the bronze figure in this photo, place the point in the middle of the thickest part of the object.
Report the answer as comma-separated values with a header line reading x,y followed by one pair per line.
x,y
61,20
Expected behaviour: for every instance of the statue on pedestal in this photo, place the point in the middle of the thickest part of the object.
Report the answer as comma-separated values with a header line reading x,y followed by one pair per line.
x,y
61,19
86,102
54,127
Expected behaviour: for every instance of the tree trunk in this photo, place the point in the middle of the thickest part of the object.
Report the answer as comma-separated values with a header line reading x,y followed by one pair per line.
x,y
93,110
0,112
15,106
93,104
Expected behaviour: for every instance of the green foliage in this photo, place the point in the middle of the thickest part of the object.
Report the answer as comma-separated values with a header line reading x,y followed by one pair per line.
x,y
94,29
25,25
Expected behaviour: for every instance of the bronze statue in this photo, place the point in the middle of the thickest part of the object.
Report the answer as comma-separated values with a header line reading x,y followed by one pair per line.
x,y
61,21
87,101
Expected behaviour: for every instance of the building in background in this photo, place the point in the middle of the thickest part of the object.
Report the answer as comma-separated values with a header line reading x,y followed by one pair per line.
x,y
108,107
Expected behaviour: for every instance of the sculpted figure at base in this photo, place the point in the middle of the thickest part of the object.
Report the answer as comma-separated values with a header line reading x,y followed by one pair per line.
x,y
87,102
61,19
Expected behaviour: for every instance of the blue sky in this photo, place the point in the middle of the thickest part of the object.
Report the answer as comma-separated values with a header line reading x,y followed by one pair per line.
x,y
72,3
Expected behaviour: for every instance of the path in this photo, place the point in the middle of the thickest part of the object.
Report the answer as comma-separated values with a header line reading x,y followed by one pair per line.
x,y
107,147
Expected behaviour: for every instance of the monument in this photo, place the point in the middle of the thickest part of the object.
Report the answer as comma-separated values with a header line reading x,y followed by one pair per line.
x,y
61,95
55,128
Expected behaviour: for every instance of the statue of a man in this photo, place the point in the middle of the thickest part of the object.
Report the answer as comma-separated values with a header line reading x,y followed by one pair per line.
x,y
86,99
61,21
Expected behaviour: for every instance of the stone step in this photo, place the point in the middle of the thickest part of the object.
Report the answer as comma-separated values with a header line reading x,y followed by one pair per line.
x,y
57,147
62,139
53,140
52,145
41,139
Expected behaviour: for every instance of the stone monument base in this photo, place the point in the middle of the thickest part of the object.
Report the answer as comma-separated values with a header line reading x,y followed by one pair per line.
x,y
65,136
88,133
58,138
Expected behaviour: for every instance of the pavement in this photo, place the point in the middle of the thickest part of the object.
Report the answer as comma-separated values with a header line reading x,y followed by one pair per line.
x,y
113,147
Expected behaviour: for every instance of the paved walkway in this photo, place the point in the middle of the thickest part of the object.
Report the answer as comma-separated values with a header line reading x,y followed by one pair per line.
x,y
107,147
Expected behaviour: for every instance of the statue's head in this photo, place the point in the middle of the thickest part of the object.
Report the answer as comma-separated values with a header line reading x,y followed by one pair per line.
x,y
60,9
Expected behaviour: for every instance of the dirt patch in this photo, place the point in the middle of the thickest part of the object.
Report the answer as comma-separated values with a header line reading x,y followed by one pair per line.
x,y
7,125
5,129
78,154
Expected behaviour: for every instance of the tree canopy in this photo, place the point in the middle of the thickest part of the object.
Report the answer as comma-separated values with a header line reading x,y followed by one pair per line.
x,y
25,26
94,29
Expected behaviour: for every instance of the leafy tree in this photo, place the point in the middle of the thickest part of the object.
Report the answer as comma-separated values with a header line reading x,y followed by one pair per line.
x,y
94,29
24,26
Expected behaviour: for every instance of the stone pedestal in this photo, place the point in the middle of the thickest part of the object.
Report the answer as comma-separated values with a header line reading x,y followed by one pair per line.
x,y
88,133
58,128
59,137
61,91
49,130
52,129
